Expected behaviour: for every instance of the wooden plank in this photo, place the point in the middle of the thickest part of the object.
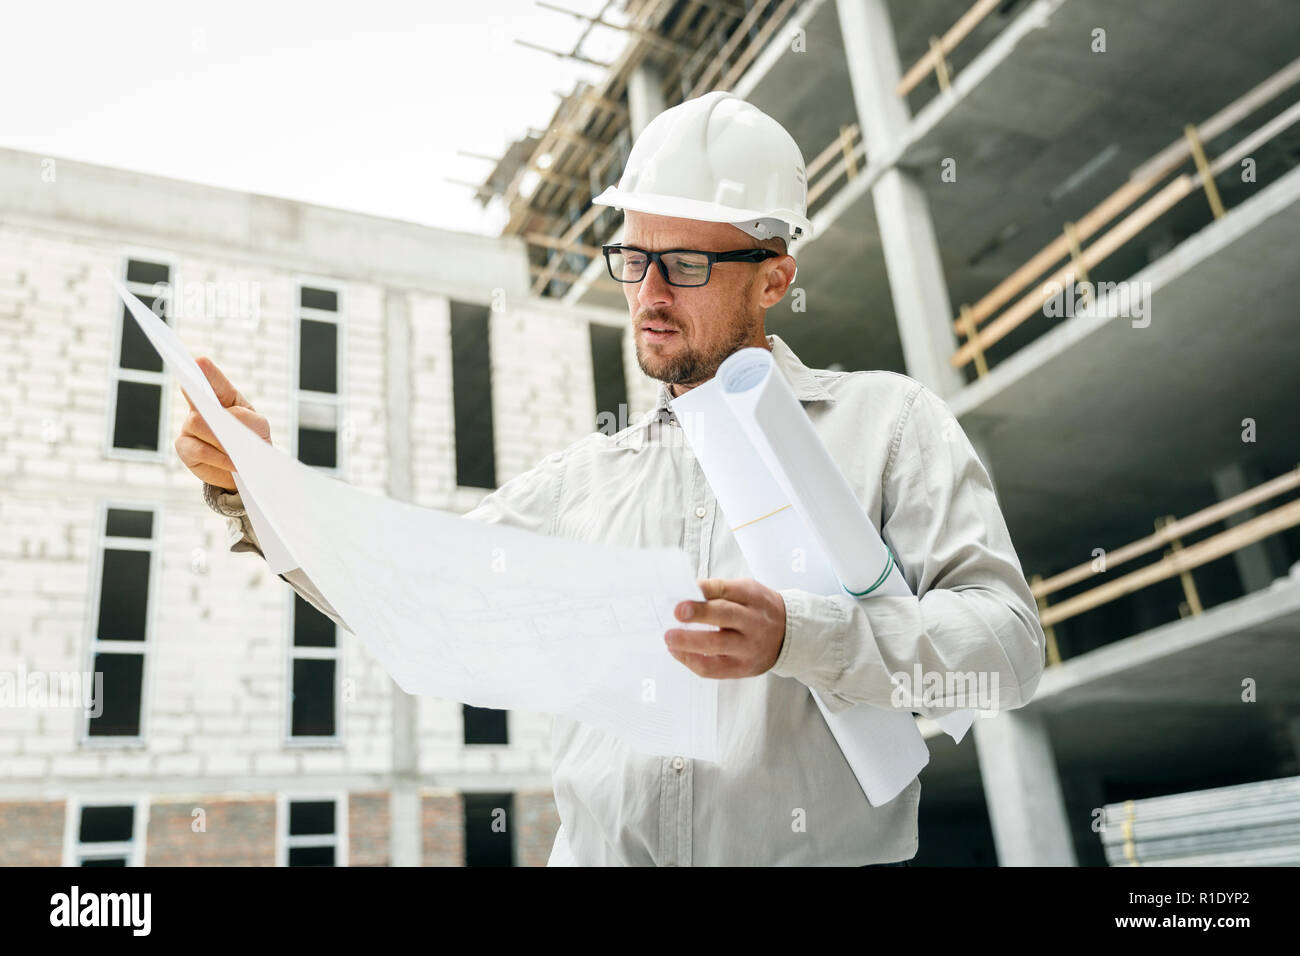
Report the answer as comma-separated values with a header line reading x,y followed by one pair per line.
x,y
1055,251
1184,526
833,150
956,33
1103,248
1203,552
705,82
835,172
756,46
550,242
1141,181
561,54
1232,114
570,235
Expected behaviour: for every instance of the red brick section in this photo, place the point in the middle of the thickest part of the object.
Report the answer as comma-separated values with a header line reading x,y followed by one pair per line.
x,y
536,821
236,832
368,829
31,834
442,820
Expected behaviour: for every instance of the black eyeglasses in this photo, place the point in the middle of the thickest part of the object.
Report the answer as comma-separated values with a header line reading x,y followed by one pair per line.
x,y
679,267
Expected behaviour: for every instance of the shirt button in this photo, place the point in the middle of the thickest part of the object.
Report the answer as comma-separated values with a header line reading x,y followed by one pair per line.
x,y
701,511
678,764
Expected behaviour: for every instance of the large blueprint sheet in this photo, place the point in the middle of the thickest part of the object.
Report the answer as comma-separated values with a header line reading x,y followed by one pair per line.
x,y
800,526
478,613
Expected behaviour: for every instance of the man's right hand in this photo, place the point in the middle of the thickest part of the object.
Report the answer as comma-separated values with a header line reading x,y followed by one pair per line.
x,y
198,447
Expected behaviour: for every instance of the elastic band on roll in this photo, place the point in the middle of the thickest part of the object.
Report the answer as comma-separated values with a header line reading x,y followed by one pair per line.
x,y
889,566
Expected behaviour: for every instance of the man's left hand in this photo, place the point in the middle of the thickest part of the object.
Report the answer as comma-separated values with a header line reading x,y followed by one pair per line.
x,y
751,618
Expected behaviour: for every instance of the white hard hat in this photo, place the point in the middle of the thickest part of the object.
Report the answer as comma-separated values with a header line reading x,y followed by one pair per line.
x,y
718,159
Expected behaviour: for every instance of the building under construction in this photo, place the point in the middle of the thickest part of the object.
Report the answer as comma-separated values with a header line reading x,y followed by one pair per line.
x,y
1075,221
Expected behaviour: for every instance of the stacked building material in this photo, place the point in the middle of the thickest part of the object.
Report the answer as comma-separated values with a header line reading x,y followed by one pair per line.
x,y
1253,824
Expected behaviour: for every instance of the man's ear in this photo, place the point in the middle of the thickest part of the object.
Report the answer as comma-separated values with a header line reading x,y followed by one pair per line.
x,y
777,279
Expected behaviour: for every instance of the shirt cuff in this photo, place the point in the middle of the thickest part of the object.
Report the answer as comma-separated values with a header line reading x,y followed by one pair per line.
x,y
223,502
813,651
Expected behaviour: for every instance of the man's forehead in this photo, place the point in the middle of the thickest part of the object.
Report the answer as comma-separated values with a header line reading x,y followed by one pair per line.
x,y
668,232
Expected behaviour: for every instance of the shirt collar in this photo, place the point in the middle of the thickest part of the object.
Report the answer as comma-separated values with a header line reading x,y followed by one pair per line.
x,y
803,380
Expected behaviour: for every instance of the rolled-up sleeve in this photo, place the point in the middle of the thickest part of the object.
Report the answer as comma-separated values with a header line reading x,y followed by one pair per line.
x,y
973,617
241,537
239,530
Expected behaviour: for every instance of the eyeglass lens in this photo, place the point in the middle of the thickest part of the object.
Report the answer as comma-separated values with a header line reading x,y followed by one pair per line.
x,y
684,268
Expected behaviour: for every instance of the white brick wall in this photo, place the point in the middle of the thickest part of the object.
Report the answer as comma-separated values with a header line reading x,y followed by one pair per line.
x,y
216,686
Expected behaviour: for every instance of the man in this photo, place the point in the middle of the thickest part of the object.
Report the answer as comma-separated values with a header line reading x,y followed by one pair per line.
x,y
719,179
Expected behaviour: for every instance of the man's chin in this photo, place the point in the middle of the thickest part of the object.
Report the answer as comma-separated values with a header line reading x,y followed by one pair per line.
x,y
660,370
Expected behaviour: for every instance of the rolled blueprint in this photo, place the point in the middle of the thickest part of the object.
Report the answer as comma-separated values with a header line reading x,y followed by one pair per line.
x,y
799,525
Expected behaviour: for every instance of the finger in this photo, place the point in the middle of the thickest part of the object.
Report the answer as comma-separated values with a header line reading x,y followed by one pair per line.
x,y
214,476
706,643
714,587
195,452
187,400
740,590
227,394
257,423
718,612
196,426
712,667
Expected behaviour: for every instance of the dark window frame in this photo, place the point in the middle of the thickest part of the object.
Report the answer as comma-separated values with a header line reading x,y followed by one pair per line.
x,y
97,645
319,411
142,378
309,652
484,722
105,853
287,843
483,847
606,344
473,409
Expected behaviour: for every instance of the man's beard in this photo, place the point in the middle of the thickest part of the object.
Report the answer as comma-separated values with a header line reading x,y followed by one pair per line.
x,y
690,366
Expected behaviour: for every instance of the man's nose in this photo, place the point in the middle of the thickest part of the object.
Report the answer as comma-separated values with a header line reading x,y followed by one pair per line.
x,y
654,288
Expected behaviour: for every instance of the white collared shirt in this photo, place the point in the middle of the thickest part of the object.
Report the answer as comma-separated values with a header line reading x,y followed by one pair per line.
x,y
782,792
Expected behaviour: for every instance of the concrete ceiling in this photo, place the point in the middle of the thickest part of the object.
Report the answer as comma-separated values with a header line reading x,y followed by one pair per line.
x,y
1052,130
1094,430
1055,128
849,317
1098,410
808,91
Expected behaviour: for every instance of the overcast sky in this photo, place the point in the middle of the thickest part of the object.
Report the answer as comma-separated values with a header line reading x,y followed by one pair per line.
x,y
360,105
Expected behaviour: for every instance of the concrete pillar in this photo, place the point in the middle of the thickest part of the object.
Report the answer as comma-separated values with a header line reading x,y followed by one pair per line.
x,y
874,71
1293,734
1259,563
404,833
1084,797
916,280
1022,790
1016,763
645,96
